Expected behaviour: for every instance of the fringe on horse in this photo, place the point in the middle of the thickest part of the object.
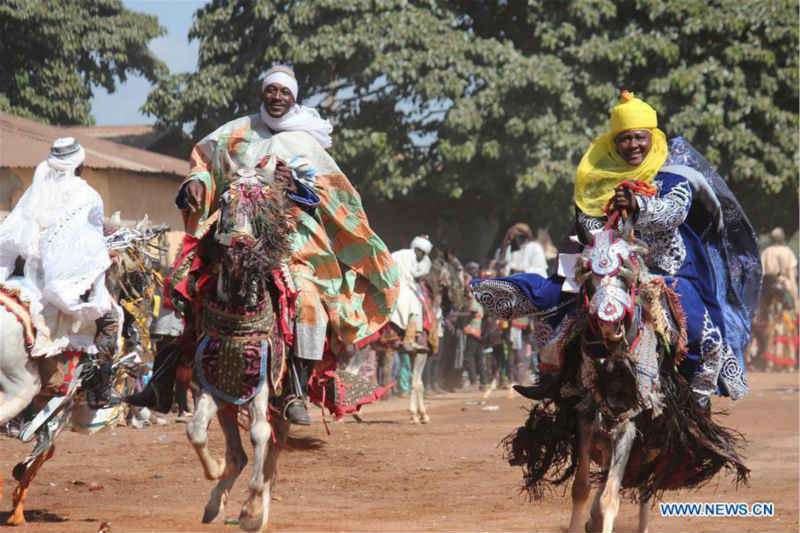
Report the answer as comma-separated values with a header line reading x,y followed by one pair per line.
x,y
546,447
684,447
651,293
688,447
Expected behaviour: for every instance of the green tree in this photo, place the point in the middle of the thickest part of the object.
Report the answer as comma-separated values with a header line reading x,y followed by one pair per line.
x,y
486,106
54,52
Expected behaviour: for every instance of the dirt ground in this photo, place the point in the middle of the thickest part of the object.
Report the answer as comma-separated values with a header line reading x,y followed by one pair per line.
x,y
385,474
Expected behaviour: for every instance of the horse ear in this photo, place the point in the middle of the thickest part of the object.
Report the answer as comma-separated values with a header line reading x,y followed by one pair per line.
x,y
230,166
269,169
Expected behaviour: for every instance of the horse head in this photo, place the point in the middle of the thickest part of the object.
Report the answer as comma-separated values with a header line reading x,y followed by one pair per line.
x,y
608,271
252,232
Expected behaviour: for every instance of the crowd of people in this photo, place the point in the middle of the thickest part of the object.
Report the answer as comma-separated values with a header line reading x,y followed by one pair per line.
x,y
467,349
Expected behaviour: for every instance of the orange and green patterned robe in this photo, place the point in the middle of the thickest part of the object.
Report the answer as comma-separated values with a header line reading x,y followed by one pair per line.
x,y
344,274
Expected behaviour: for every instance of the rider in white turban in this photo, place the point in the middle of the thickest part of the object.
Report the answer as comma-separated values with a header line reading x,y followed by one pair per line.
x,y
56,228
412,264
298,117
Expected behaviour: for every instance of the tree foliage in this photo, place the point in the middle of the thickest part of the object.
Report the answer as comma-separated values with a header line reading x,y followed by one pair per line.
x,y
54,52
487,106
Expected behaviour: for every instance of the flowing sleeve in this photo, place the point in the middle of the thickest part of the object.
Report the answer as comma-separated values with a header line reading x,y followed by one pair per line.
x,y
18,237
667,210
589,225
200,169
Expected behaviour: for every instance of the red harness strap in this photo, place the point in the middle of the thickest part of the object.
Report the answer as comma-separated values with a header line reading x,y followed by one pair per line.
x,y
635,187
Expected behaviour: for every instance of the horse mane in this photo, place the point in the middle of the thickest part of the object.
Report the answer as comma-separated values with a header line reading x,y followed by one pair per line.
x,y
271,223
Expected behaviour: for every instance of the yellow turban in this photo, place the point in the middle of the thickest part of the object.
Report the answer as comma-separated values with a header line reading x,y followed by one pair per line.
x,y
602,168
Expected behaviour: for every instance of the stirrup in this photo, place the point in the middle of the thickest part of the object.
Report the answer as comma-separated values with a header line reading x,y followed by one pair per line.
x,y
295,417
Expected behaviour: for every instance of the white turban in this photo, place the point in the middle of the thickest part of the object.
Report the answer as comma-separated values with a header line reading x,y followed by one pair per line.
x,y
423,243
284,76
66,154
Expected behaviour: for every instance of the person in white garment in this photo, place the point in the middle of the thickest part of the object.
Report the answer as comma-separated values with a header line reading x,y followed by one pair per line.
x,y
413,264
53,254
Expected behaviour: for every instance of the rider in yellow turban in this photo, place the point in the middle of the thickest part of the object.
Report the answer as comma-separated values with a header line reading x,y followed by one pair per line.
x,y
602,168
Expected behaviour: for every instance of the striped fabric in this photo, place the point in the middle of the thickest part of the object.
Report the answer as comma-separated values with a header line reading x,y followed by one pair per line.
x,y
11,302
344,273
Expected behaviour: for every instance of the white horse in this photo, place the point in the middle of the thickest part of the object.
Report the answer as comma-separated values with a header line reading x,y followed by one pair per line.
x,y
19,373
22,378
20,384
250,226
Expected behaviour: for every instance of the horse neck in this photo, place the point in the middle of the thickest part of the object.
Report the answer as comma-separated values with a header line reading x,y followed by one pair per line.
x,y
223,297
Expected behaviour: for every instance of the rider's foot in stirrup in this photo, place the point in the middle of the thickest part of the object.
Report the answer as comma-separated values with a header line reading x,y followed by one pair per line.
x,y
156,395
544,388
96,381
295,412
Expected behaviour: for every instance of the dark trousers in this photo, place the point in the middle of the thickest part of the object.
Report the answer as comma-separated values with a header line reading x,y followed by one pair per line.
x,y
500,363
475,361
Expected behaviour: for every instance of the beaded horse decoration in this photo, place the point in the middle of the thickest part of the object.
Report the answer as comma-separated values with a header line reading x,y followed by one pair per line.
x,y
238,318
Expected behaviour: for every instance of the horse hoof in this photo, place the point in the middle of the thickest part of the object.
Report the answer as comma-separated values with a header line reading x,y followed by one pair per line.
x,y
210,514
252,516
19,470
15,519
425,419
414,419
250,523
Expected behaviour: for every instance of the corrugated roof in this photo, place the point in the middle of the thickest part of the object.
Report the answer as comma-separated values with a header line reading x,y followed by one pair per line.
x,y
25,143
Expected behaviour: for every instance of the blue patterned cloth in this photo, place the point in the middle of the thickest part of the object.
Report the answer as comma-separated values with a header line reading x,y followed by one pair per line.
x,y
733,252
699,239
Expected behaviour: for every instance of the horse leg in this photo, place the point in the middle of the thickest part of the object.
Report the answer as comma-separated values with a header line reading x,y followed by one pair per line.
x,y
607,501
418,385
17,516
281,430
255,510
197,432
580,485
644,514
235,461
412,397
387,356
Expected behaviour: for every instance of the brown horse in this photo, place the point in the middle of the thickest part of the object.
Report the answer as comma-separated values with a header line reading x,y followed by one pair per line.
x,y
622,403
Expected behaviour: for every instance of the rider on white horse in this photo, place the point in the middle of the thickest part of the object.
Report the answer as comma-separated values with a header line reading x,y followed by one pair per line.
x,y
63,286
413,264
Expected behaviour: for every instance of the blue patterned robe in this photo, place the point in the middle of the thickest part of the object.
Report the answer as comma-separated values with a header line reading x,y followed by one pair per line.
x,y
676,253
699,238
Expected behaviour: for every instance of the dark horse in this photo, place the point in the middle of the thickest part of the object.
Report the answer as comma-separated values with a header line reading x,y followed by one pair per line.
x,y
622,402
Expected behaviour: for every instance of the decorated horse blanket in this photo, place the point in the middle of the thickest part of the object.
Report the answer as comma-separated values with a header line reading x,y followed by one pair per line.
x,y
11,302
